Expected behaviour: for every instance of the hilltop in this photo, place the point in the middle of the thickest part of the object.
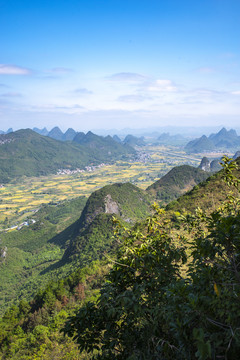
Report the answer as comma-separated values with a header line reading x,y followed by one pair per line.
x,y
134,141
94,229
102,147
176,182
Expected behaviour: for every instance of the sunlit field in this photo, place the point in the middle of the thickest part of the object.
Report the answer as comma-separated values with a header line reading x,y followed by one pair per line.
x,y
18,200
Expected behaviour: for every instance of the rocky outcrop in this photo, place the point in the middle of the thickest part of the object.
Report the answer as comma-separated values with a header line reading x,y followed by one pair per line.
x,y
205,164
111,206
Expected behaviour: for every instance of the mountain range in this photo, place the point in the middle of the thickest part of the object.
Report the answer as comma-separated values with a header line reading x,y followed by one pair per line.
x,y
221,141
25,152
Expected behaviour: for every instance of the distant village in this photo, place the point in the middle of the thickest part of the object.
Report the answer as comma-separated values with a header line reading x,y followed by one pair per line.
x,y
75,171
5,141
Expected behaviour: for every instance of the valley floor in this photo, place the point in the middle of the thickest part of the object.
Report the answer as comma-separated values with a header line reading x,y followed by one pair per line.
x,y
21,198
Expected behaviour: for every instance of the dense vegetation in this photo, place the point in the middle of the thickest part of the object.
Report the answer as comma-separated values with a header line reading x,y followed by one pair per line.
x,y
61,240
33,253
151,309
176,182
173,291
32,330
93,233
26,153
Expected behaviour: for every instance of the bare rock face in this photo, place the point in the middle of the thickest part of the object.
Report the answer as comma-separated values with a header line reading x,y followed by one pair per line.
x,y
205,164
3,253
111,206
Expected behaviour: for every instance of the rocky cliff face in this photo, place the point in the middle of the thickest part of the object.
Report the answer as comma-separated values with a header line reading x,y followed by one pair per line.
x,y
205,164
111,206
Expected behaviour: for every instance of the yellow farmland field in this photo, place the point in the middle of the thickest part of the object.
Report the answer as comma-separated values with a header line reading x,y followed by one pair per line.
x,y
32,192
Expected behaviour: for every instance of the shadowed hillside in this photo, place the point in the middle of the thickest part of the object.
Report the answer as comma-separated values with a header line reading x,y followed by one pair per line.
x,y
176,182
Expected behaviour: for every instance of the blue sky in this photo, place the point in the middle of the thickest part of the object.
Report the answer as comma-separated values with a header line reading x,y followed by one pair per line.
x,y
115,64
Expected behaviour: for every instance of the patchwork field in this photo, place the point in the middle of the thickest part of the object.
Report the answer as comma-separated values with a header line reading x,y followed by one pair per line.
x,y
18,201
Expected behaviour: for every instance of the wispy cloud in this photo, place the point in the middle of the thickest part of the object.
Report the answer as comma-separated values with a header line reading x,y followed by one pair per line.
x,y
12,95
133,98
82,91
236,92
75,106
6,69
126,77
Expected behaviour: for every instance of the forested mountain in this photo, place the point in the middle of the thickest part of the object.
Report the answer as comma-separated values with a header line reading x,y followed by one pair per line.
x,y
56,133
134,141
69,135
117,139
43,131
200,145
176,182
223,140
167,139
152,293
173,292
103,147
24,152
94,230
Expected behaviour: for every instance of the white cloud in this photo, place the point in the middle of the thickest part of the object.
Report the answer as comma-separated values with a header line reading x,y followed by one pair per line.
x,y
162,85
236,92
13,70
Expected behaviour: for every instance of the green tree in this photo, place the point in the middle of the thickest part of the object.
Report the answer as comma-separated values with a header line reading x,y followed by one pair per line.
x,y
147,309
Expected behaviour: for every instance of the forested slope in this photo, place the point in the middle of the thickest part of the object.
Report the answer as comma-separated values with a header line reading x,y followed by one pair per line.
x,y
169,295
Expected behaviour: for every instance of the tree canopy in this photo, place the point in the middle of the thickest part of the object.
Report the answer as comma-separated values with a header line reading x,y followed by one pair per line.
x,y
174,289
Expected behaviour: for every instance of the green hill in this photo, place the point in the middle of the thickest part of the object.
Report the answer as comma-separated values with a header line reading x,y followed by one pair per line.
x,y
173,291
103,147
223,140
27,153
176,182
200,145
147,296
34,253
207,195
55,133
134,141
94,229
69,135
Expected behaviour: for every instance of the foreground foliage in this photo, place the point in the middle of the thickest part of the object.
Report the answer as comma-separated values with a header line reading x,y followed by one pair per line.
x,y
31,330
150,309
